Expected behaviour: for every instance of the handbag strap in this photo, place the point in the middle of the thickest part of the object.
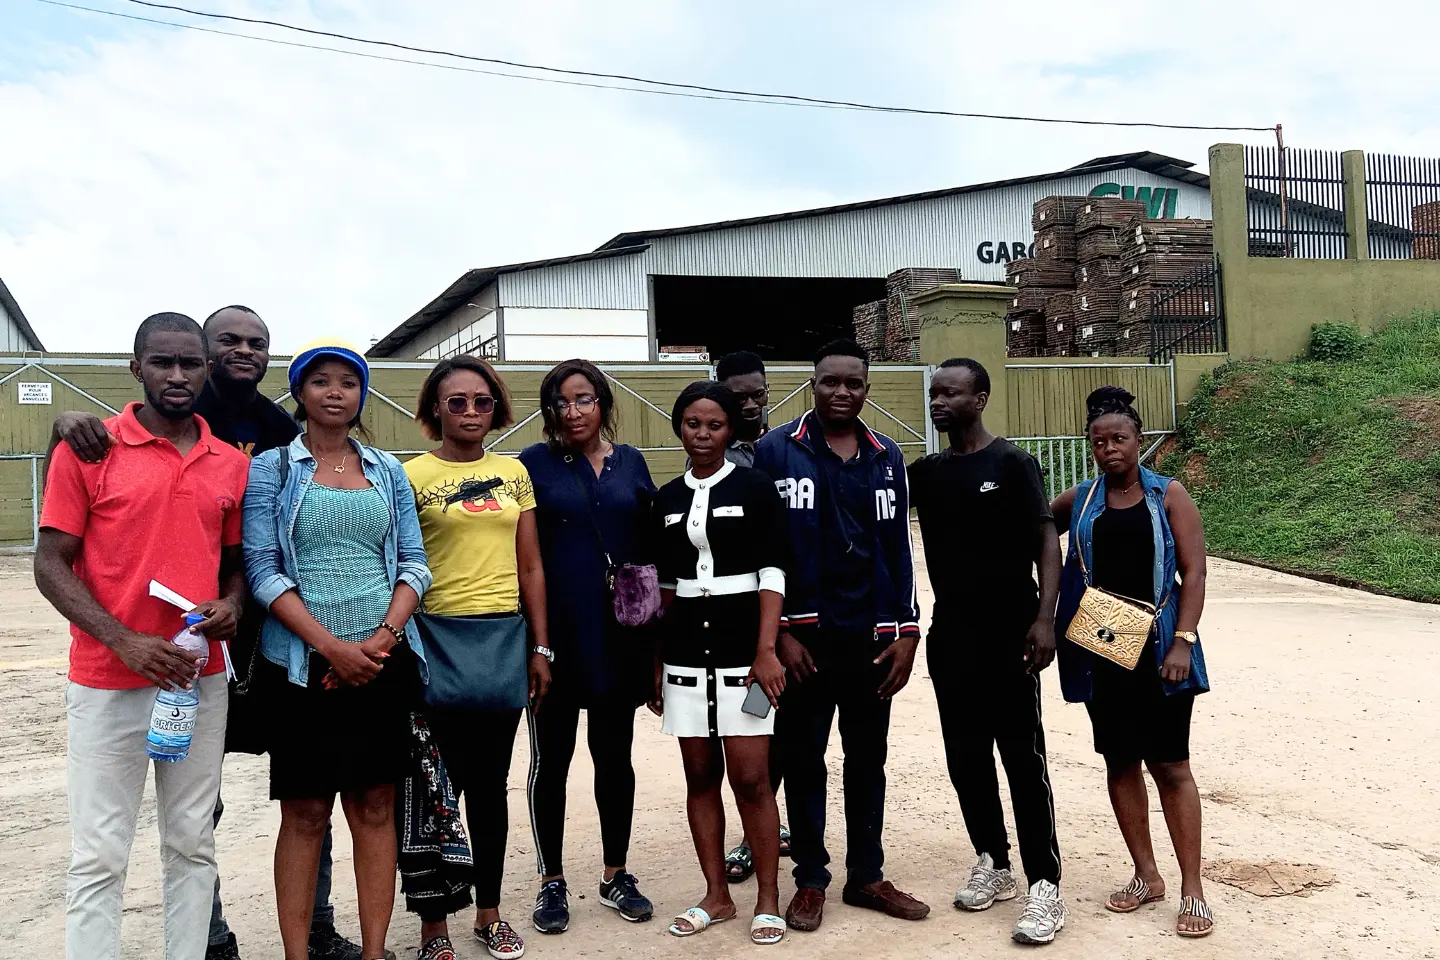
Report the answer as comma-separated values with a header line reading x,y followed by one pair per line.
x,y
589,513
1079,548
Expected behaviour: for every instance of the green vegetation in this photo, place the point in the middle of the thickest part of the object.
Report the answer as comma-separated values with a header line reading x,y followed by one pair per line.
x,y
1328,467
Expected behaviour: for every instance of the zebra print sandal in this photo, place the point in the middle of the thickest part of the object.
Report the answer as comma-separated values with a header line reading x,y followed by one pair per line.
x,y
1195,907
1136,888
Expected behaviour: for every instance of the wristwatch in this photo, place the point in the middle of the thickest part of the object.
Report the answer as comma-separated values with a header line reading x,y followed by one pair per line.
x,y
545,652
1189,636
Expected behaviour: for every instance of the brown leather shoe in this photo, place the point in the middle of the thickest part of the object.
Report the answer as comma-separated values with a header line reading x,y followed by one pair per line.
x,y
884,897
806,910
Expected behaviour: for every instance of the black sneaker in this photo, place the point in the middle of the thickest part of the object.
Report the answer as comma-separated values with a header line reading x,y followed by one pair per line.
x,y
622,894
327,944
552,908
229,950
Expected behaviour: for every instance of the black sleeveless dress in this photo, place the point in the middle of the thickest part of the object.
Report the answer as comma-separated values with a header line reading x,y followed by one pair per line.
x,y
1131,715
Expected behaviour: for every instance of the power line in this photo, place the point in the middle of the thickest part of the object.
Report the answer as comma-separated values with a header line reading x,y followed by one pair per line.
x,y
697,91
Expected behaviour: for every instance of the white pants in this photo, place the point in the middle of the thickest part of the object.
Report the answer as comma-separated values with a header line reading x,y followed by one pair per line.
x,y
107,769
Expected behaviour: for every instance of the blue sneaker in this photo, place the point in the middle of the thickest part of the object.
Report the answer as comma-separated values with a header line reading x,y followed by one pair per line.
x,y
552,908
622,894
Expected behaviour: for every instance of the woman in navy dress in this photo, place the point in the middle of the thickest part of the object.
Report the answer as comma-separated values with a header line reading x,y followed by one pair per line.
x,y
592,500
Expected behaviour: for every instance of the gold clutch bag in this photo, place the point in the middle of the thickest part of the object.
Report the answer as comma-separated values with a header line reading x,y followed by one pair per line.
x,y
1106,624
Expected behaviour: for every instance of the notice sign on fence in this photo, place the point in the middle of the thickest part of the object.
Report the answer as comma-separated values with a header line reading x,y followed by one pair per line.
x,y
36,393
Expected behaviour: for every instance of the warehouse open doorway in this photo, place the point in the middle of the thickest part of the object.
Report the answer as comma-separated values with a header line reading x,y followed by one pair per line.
x,y
780,318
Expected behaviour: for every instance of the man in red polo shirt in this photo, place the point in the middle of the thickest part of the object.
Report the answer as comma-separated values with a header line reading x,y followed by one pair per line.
x,y
164,505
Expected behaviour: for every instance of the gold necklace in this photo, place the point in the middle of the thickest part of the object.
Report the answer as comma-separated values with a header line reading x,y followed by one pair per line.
x,y
339,469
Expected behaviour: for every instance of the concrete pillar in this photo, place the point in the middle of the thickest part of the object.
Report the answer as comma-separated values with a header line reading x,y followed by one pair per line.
x,y
968,320
1229,210
1357,215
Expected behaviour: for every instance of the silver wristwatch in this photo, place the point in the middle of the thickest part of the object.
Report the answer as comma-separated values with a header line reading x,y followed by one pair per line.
x,y
545,652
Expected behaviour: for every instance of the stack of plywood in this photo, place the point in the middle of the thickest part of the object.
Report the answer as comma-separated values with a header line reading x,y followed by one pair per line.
x,y
902,323
1055,243
1056,210
869,321
1025,333
1156,255
1107,212
1102,225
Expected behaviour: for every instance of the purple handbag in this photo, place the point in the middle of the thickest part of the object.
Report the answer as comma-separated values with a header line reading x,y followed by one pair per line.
x,y
634,587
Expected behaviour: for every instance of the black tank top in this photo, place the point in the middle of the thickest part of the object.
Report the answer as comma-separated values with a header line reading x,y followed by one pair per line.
x,y
1123,552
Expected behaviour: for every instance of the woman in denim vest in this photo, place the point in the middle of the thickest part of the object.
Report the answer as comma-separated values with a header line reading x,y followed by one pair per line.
x,y
333,551
1135,531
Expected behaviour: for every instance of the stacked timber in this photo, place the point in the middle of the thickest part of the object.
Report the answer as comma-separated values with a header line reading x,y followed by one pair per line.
x,y
1056,210
1102,226
1025,333
1060,335
1055,244
1157,254
1425,219
902,323
869,322
1112,212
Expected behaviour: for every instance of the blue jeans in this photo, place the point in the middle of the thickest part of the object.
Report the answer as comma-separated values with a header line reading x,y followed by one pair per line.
x,y
324,913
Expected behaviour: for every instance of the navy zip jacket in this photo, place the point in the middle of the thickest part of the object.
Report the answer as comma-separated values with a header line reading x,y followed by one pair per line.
x,y
787,454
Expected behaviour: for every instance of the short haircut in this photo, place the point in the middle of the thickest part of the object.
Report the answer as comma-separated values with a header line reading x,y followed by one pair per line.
x,y
977,370
550,395
738,364
233,306
728,400
1104,401
430,393
844,347
168,323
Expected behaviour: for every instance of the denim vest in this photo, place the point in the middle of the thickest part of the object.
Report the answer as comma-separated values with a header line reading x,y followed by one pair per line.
x,y
1076,663
270,542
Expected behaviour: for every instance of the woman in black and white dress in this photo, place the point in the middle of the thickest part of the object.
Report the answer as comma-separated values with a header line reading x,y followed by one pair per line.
x,y
720,549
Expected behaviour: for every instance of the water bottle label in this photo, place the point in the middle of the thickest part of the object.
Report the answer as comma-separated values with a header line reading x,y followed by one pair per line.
x,y
172,725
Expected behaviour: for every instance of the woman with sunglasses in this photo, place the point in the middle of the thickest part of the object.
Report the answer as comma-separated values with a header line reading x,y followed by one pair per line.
x,y
592,506
477,515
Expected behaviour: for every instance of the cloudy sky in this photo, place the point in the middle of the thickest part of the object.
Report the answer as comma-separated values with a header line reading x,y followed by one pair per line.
x,y
146,167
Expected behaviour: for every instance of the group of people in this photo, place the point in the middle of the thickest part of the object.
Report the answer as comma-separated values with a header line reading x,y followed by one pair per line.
x,y
386,626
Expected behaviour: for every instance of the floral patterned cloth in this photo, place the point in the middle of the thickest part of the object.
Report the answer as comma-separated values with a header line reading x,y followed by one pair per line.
x,y
435,862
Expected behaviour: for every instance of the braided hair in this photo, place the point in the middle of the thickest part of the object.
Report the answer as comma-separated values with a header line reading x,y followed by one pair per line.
x,y
1103,401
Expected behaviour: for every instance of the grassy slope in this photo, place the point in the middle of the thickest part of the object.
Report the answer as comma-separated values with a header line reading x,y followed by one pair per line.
x,y
1329,468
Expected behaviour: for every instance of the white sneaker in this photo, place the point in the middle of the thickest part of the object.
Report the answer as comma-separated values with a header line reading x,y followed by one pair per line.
x,y
1042,916
986,885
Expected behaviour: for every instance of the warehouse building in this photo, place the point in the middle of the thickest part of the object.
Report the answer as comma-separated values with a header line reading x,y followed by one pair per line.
x,y
16,334
778,284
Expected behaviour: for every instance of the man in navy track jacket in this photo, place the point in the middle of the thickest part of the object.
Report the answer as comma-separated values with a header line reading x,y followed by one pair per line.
x,y
850,627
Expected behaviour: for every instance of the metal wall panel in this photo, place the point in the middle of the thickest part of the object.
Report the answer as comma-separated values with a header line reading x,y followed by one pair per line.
x,y
611,283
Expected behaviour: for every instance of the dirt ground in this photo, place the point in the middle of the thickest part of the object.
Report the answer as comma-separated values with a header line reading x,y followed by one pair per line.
x,y
1319,745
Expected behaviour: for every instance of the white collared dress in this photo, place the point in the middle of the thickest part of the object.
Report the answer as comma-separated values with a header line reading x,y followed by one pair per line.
x,y
719,542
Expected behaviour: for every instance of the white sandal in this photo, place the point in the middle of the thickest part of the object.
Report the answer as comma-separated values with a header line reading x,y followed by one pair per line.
x,y
766,921
698,919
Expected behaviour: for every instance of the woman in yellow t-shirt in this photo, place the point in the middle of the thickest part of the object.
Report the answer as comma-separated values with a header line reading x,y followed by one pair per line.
x,y
477,517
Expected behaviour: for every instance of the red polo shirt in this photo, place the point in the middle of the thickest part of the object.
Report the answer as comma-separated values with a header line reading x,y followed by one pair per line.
x,y
145,513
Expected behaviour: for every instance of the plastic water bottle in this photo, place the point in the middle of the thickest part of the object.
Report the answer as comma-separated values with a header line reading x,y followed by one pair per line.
x,y
172,722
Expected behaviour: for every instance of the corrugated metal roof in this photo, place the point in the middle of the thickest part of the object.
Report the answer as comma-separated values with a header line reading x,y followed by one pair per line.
x,y
1156,163
472,282
18,317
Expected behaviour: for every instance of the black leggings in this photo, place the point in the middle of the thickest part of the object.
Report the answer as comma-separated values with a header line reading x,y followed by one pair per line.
x,y
476,746
611,731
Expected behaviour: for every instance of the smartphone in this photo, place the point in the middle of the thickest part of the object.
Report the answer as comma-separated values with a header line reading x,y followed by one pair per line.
x,y
757,702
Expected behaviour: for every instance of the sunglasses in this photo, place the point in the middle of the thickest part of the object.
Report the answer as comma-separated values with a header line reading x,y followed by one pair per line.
x,y
459,404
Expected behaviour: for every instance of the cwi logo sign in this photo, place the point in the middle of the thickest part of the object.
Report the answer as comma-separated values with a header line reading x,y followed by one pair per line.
x,y
1160,202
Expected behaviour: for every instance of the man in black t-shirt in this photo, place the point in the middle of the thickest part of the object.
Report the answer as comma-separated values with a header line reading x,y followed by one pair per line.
x,y
238,343
986,522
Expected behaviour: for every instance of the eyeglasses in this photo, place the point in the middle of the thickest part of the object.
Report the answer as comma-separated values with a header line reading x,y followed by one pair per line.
x,y
459,404
583,404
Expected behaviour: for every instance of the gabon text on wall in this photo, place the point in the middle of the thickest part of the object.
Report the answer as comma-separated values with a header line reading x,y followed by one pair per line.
x,y
1161,203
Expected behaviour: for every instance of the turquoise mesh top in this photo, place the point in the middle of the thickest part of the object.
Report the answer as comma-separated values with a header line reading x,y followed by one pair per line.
x,y
340,559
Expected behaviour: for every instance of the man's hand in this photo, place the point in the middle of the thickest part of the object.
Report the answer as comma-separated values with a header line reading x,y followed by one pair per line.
x,y
539,679
901,657
1040,644
222,618
86,435
794,656
354,665
1176,668
157,660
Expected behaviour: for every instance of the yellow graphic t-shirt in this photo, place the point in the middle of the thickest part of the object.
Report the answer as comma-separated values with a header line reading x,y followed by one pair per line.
x,y
468,515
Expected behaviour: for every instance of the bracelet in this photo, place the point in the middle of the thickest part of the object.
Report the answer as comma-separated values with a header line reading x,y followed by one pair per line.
x,y
387,625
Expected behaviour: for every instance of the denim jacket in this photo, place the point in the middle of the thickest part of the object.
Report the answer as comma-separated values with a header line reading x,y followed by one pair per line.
x,y
1076,663
270,542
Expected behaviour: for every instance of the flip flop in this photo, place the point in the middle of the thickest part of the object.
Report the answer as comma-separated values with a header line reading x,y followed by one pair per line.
x,y
698,919
1195,907
784,841
743,858
1136,888
766,921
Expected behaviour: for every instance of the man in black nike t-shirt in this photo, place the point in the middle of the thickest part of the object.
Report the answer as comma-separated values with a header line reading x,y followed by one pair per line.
x,y
986,524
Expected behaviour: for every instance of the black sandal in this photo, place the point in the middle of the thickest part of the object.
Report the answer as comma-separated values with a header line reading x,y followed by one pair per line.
x,y
739,864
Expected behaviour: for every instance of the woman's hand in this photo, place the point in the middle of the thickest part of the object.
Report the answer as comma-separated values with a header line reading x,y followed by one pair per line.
x,y
1176,668
657,694
539,679
768,672
352,664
